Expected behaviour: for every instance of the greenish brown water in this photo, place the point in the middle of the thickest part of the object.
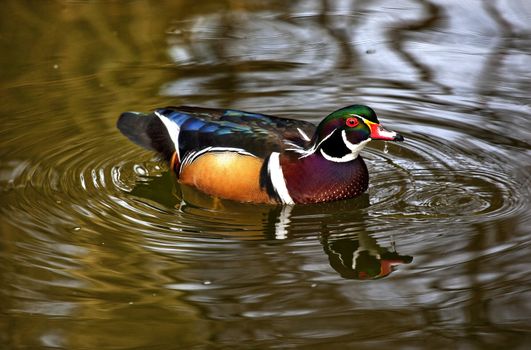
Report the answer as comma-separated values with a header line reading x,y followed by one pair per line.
x,y
101,249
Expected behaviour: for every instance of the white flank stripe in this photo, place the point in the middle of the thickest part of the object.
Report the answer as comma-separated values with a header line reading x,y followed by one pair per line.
x,y
354,148
277,178
173,130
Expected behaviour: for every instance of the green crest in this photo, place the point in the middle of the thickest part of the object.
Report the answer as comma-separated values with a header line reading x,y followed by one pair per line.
x,y
337,119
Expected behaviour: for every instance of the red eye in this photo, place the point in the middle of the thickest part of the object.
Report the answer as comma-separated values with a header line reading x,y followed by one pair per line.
x,y
352,122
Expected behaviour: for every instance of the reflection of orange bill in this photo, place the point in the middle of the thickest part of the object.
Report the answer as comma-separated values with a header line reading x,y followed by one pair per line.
x,y
386,266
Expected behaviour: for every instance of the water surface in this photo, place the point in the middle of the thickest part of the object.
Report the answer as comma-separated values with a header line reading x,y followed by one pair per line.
x,y
100,248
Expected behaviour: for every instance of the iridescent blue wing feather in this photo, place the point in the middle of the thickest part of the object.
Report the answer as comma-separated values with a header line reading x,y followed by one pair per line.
x,y
255,133
298,132
193,128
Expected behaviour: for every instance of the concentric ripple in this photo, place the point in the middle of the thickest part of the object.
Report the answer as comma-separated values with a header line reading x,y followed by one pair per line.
x,y
452,167
85,181
424,180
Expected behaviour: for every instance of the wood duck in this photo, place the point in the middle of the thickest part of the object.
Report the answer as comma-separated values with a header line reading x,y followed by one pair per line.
x,y
258,158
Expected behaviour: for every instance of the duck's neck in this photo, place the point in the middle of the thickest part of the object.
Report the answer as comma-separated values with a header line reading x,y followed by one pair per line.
x,y
314,178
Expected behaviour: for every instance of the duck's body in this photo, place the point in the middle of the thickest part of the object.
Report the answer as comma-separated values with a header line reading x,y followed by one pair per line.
x,y
258,158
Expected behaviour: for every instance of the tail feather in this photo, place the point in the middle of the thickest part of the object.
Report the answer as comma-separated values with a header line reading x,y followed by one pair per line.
x,y
148,131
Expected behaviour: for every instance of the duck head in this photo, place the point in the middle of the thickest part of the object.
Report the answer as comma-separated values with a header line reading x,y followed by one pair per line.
x,y
342,134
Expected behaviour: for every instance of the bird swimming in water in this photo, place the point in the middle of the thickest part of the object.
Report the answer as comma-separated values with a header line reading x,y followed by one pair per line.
x,y
258,158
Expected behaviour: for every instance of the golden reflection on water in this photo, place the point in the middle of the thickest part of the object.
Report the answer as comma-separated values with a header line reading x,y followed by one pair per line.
x,y
99,248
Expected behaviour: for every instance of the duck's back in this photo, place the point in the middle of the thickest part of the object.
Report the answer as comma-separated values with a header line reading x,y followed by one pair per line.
x,y
194,129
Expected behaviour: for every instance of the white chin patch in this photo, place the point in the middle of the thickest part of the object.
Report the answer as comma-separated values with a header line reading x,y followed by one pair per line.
x,y
354,148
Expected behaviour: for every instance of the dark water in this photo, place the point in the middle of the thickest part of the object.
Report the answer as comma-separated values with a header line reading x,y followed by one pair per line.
x,y
100,249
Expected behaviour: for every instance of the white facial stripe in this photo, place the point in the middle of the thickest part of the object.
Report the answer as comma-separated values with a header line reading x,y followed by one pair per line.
x,y
315,147
277,178
346,158
173,130
354,148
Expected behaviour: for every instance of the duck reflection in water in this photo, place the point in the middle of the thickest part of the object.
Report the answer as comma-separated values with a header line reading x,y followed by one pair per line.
x,y
351,249
361,257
